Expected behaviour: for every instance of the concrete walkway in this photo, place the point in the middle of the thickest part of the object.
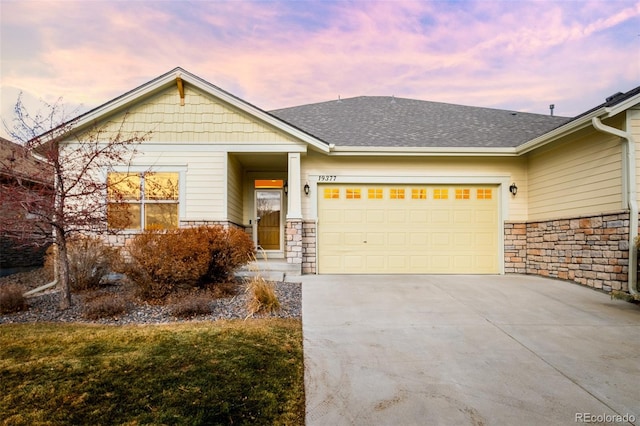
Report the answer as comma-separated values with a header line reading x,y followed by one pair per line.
x,y
467,350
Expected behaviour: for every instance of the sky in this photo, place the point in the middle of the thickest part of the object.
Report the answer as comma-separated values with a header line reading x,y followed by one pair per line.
x,y
509,54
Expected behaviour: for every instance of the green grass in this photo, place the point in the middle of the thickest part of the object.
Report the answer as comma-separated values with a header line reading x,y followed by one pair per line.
x,y
227,372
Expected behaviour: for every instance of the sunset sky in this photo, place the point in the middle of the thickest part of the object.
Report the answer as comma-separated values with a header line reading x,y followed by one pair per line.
x,y
511,54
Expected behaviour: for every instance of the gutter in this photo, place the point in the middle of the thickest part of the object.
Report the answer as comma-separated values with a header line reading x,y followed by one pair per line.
x,y
632,200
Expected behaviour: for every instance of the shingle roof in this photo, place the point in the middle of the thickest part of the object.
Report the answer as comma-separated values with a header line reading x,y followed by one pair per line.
x,y
383,121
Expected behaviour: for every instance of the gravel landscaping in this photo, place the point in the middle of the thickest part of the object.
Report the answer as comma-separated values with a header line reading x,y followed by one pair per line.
x,y
44,307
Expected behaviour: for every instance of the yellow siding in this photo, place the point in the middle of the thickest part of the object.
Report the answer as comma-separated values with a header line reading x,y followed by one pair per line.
x,y
202,119
420,167
578,177
235,199
634,127
205,180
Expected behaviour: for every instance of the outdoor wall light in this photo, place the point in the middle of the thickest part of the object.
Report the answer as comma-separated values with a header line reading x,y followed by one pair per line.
x,y
513,189
286,188
306,188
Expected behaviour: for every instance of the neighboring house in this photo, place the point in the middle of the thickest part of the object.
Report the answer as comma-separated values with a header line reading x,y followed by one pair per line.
x,y
387,185
21,175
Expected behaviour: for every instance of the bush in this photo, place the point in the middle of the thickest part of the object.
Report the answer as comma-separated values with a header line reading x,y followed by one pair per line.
x,y
90,259
262,296
191,304
12,299
162,261
104,306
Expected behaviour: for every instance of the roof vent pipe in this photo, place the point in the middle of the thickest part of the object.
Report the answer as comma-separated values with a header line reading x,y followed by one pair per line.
x,y
551,107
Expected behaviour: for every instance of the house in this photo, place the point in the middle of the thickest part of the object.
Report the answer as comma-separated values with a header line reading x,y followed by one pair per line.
x,y
22,177
381,185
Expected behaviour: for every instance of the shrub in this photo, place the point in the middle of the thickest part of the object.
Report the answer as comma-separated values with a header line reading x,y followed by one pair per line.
x,y
191,304
162,261
104,306
90,259
262,296
12,299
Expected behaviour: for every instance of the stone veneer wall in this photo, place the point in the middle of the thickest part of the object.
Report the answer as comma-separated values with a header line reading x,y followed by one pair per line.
x,y
293,242
592,251
309,247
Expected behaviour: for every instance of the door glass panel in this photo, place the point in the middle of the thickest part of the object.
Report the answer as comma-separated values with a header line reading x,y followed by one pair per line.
x,y
268,209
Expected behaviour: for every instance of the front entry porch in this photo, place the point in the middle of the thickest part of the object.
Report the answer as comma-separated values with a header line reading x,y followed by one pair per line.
x,y
264,197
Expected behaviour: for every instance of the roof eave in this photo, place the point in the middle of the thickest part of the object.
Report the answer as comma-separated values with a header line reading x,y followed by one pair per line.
x,y
555,134
578,124
422,151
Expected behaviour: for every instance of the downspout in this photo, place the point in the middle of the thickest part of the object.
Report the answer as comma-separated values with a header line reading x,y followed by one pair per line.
x,y
632,200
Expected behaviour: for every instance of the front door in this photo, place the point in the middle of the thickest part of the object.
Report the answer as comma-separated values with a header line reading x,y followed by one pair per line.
x,y
269,218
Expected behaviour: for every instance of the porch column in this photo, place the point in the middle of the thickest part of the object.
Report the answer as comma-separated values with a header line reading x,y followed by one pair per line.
x,y
294,199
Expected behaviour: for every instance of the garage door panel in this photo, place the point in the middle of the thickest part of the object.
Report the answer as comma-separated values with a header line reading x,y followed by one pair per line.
x,y
419,217
331,238
485,216
434,229
441,216
462,216
332,216
440,239
376,262
397,216
375,216
353,262
353,238
463,239
397,262
375,239
419,238
397,239
353,216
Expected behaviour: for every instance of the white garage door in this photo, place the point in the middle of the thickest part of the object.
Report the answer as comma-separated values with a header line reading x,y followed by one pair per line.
x,y
448,229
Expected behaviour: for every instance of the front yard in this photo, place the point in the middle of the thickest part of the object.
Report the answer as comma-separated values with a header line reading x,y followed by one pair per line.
x,y
222,372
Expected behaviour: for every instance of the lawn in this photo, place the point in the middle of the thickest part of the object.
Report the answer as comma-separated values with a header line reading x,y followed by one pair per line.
x,y
224,372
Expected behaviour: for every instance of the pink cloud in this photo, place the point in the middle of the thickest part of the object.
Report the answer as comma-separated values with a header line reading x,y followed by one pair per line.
x,y
507,54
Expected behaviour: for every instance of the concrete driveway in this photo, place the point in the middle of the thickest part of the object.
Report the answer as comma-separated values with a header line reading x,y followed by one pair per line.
x,y
467,350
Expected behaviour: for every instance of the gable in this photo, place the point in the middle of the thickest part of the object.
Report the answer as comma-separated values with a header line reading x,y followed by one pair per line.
x,y
202,119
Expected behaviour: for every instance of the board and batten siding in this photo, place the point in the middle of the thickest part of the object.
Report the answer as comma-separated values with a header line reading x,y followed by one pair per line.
x,y
234,184
580,177
421,169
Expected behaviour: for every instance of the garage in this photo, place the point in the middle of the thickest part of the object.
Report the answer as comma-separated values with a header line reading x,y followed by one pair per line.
x,y
429,229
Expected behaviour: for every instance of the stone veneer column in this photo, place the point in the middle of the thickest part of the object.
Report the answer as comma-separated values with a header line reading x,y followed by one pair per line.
x,y
293,249
309,247
515,248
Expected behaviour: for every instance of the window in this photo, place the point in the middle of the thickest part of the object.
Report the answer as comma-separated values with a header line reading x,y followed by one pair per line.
x,y
353,194
441,194
331,193
418,194
142,200
396,194
462,194
484,194
375,194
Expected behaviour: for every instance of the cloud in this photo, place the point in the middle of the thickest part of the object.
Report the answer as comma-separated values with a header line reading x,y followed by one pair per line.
x,y
507,54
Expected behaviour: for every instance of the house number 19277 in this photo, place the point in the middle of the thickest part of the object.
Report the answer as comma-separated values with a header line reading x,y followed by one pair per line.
x,y
327,178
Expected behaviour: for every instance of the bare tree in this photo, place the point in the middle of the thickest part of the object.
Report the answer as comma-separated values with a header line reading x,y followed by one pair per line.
x,y
75,160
